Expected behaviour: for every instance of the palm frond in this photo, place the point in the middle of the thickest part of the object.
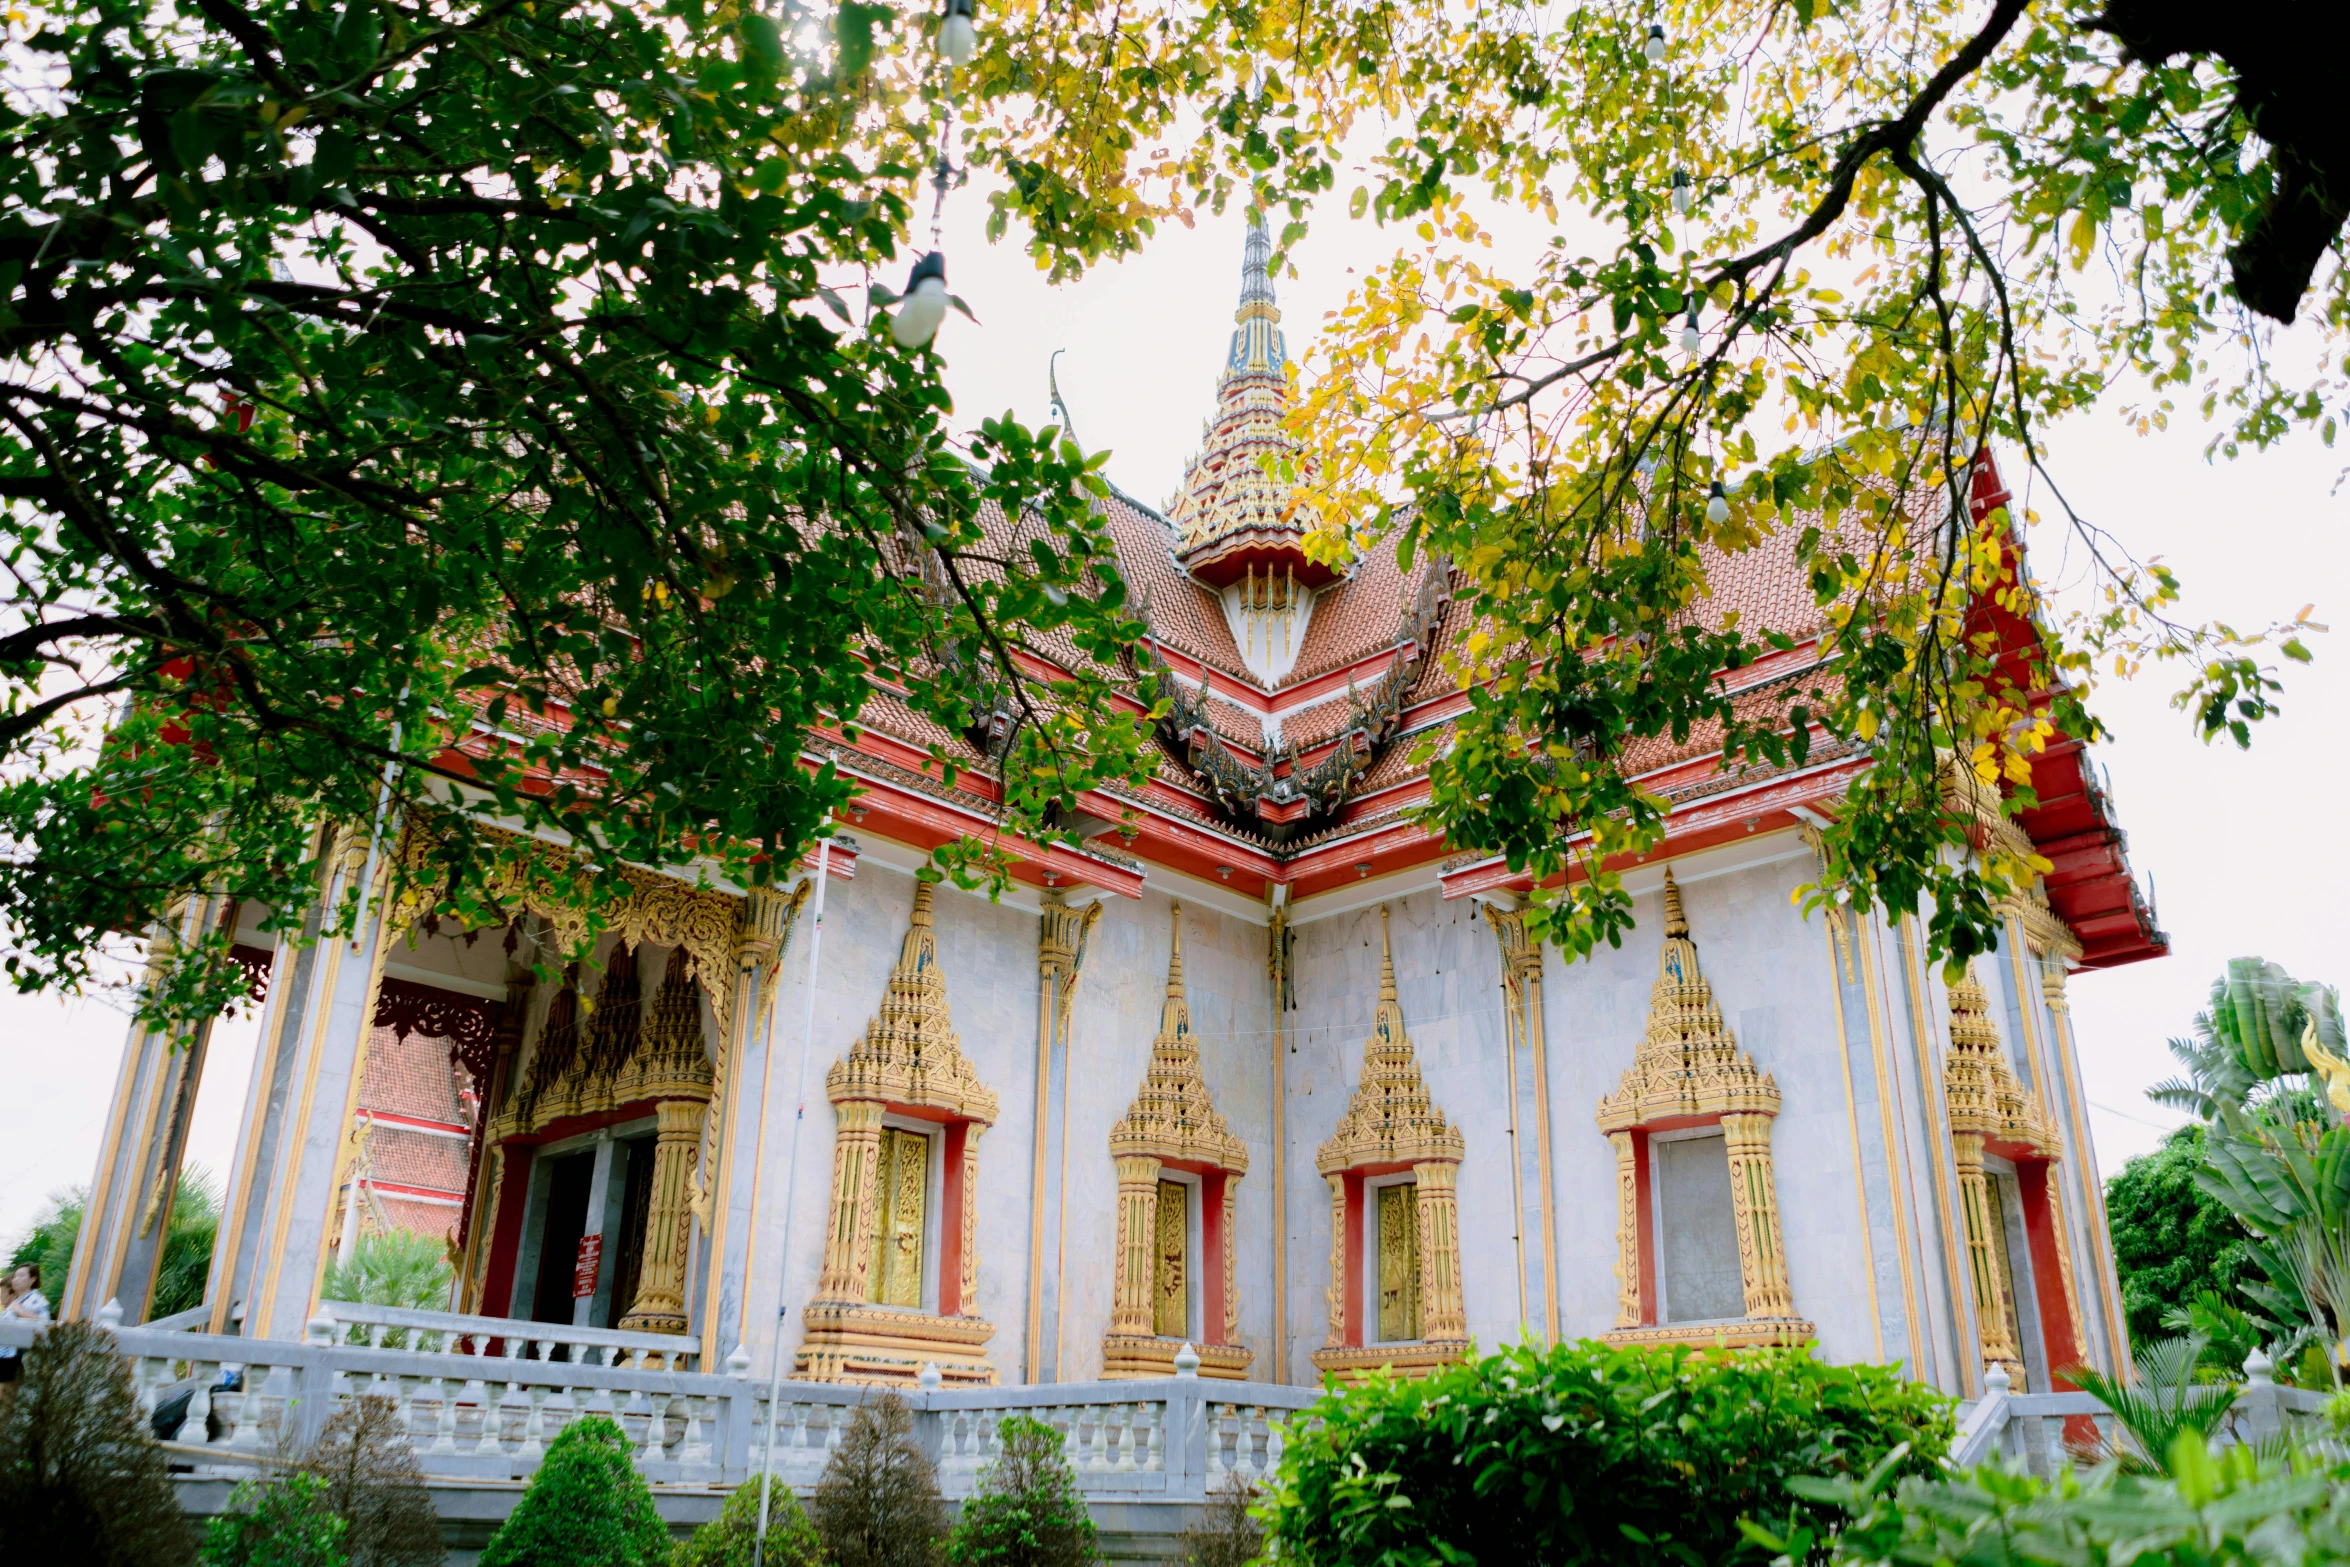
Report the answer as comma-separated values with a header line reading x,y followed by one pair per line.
x,y
2163,1401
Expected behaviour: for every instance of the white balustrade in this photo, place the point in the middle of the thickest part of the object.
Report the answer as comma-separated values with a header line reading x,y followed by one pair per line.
x,y
481,1398
2047,1432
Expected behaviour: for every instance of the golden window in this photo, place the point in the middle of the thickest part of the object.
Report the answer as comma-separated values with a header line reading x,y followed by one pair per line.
x,y
894,1276
1399,1263
1171,1283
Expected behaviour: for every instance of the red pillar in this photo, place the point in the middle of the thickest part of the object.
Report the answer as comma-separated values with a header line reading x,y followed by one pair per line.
x,y
497,1287
950,1221
1213,1240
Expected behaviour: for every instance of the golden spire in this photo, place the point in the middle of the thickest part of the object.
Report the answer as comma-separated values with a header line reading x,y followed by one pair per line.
x,y
1176,1014
1981,1089
909,1053
1688,1062
1387,968
1172,1118
1392,1118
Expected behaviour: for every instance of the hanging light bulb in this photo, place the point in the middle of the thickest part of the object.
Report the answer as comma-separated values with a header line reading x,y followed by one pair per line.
x,y
1655,47
1717,504
1692,343
958,36
1684,194
924,305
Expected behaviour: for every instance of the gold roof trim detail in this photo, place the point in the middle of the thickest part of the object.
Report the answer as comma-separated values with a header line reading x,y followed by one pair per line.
x,y
1983,1093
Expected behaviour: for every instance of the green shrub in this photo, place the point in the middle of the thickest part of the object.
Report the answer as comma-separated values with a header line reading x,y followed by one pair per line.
x,y
586,1507
1573,1454
81,1480
1228,1533
877,1503
2233,1509
726,1540
1026,1512
367,1463
277,1523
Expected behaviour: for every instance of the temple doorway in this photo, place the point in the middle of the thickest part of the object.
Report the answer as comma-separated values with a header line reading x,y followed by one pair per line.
x,y
583,1228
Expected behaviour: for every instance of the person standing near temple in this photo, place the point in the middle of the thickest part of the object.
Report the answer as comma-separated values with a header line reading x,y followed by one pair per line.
x,y
24,1302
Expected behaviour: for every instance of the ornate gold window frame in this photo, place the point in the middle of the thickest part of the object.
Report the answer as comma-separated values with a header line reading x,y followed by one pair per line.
x,y
1689,1072
1392,1126
909,1062
1173,1125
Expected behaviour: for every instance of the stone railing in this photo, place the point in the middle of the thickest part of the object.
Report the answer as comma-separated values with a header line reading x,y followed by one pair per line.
x,y
474,1415
2045,1432
353,1323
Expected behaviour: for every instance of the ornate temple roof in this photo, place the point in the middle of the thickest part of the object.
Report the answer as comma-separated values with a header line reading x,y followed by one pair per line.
x,y
1302,705
1233,515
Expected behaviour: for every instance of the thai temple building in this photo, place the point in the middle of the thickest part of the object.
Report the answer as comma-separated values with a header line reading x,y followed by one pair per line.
x,y
1263,1068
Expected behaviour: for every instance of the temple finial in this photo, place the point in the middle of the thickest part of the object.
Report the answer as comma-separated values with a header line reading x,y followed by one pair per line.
x,y
1386,959
1256,265
1060,404
1676,923
922,901
1175,961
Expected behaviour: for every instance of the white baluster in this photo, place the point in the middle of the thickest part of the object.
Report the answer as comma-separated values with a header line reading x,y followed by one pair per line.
x,y
1154,1419
197,1429
534,1429
242,1411
474,1418
444,1441
636,1418
501,1427
277,1396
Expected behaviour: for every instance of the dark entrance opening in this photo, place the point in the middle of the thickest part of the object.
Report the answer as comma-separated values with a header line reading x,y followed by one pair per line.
x,y
636,1206
568,1180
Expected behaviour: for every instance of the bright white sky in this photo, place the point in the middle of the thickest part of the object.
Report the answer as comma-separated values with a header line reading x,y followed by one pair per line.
x,y
2243,850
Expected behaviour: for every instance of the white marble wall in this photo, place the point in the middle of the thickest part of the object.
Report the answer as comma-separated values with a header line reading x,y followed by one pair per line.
x,y
1861,1151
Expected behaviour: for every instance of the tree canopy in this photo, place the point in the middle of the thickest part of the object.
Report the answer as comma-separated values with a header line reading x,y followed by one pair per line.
x,y
2171,1239
472,402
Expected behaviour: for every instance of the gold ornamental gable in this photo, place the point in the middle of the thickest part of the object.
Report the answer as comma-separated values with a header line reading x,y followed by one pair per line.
x,y
1392,1119
1172,1118
1688,1063
536,877
909,1054
591,1062
1982,1090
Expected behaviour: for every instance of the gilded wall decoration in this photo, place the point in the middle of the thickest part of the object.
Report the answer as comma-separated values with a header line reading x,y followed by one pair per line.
x,y
530,875
1399,1264
1988,1105
1522,1027
1392,1124
1688,1070
909,1062
1173,1123
1171,1286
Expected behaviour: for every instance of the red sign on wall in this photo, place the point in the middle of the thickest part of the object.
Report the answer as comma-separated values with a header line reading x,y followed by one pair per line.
x,y
590,1263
